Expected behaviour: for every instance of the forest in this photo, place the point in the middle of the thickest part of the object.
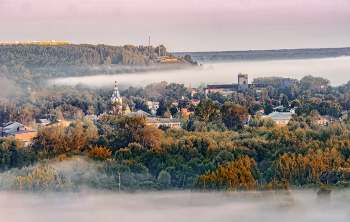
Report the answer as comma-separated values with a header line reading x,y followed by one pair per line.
x,y
281,54
23,65
215,149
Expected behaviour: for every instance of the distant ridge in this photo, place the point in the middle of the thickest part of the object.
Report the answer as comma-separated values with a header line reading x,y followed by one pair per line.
x,y
279,54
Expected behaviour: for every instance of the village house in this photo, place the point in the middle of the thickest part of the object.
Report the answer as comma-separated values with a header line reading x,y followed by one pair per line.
x,y
280,118
324,120
170,122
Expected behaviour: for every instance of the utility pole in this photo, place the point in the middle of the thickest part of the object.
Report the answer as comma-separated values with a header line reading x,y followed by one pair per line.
x,y
149,45
159,49
119,179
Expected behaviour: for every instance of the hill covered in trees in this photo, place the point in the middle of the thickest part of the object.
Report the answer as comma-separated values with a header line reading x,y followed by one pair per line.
x,y
21,65
280,54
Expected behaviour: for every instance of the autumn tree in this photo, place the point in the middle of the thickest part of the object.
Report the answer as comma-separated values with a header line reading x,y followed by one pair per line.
x,y
240,174
50,139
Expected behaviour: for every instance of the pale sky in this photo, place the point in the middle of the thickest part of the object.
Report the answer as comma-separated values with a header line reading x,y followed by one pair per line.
x,y
181,25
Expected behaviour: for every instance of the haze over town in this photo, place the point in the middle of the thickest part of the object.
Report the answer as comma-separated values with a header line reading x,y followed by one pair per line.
x,y
337,70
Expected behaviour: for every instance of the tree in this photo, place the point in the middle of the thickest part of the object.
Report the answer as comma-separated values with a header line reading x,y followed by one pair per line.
x,y
127,128
164,179
268,107
284,100
42,179
240,174
99,153
114,108
188,58
233,115
295,103
207,110
148,136
50,139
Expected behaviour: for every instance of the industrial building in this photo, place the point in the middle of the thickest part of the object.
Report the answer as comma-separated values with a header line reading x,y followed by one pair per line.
x,y
243,84
18,131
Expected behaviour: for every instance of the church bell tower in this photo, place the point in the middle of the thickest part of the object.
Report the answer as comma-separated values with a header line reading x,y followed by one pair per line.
x,y
116,98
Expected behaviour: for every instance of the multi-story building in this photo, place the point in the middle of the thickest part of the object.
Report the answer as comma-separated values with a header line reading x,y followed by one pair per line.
x,y
18,131
280,118
170,122
243,84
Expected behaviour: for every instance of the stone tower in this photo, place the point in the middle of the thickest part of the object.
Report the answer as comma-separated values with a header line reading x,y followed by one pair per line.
x,y
242,81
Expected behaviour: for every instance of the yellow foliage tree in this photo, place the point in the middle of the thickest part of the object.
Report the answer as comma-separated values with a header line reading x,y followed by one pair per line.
x,y
100,153
233,175
42,179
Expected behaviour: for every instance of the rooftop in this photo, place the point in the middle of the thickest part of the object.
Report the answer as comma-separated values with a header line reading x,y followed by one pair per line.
x,y
139,113
279,115
164,120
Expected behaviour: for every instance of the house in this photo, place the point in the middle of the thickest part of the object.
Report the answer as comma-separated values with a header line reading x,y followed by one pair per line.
x,y
44,122
139,113
344,114
279,108
170,122
285,83
325,119
91,117
195,101
59,122
152,105
165,59
188,110
280,118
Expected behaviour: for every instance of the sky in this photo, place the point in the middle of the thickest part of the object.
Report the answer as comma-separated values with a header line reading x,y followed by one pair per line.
x,y
181,25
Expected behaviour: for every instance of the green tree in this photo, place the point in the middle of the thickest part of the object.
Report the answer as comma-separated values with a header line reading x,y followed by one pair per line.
x,y
207,110
268,107
233,115
164,179
284,100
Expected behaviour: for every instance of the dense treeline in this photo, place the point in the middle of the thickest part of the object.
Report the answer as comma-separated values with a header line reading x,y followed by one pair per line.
x,y
148,158
217,147
268,54
22,65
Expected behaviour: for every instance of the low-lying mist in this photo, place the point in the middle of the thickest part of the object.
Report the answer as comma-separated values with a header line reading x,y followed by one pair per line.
x,y
337,70
174,206
93,201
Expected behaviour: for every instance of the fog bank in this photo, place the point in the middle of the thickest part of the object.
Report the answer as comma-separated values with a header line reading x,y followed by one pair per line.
x,y
337,70
173,206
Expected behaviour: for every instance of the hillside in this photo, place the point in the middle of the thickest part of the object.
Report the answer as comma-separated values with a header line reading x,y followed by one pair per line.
x,y
33,64
281,54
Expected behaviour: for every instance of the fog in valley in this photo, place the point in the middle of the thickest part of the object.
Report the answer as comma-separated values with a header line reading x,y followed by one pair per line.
x,y
174,206
337,70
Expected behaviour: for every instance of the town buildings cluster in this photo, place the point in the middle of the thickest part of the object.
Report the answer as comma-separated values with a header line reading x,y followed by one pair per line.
x,y
281,116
